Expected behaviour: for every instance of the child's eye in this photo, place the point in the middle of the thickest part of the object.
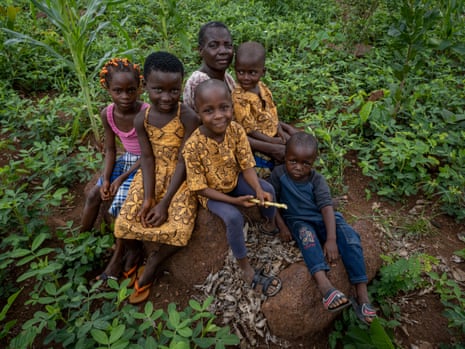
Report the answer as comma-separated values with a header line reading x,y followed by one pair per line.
x,y
225,107
307,164
157,90
213,44
228,46
253,73
240,72
175,91
131,91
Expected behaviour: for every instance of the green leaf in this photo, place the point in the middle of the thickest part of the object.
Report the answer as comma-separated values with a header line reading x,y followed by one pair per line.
x,y
99,336
116,333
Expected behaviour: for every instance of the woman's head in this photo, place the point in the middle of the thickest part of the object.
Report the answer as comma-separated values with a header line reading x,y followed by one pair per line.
x,y
215,48
163,76
122,79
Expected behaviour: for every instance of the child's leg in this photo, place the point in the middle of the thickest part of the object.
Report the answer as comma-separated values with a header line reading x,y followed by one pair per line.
x,y
350,249
157,253
234,223
91,209
309,244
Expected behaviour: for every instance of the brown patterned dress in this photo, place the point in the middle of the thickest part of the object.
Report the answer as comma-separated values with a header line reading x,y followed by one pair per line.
x,y
182,211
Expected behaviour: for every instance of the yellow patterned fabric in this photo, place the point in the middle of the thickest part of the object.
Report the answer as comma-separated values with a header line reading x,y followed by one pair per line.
x,y
256,112
182,211
210,164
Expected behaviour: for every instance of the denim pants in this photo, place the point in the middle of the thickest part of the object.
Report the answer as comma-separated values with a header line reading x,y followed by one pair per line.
x,y
311,237
232,217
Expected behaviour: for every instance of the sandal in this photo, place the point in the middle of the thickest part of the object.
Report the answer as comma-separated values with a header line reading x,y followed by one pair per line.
x,y
332,297
131,275
364,311
273,232
271,285
140,294
104,278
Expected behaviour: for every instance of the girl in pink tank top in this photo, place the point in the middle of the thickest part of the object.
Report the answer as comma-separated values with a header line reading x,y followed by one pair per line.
x,y
122,80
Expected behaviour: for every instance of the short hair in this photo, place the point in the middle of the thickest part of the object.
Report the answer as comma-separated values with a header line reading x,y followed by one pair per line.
x,y
211,83
251,49
302,138
212,24
118,65
164,62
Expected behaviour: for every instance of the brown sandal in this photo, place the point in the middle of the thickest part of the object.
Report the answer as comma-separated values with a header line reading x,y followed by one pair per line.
x,y
140,294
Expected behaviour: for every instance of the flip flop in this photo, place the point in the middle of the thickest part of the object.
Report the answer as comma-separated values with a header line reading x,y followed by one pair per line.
x,y
140,294
364,311
104,278
274,232
271,285
131,275
332,297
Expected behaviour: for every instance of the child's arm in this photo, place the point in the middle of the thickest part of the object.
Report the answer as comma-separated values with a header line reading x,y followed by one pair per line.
x,y
120,179
148,168
330,248
251,178
110,156
214,194
263,137
276,151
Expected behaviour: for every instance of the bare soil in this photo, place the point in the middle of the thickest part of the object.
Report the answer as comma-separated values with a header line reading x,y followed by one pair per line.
x,y
422,323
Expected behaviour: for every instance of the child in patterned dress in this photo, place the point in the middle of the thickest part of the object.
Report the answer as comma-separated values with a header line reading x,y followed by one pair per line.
x,y
159,211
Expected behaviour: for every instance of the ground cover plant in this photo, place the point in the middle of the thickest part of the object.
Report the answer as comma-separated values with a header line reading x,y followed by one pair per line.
x,y
379,79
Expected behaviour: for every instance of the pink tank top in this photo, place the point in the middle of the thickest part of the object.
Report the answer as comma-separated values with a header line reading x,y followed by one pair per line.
x,y
129,139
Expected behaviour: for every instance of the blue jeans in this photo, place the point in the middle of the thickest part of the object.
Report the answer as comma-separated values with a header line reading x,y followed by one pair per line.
x,y
232,217
311,237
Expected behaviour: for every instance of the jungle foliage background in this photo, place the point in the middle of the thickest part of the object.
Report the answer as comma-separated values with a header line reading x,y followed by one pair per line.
x,y
380,79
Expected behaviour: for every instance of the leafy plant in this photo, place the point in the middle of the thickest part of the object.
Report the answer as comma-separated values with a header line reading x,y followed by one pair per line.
x,y
79,22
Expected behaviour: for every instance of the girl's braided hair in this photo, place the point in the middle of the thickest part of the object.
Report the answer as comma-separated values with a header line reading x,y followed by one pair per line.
x,y
118,65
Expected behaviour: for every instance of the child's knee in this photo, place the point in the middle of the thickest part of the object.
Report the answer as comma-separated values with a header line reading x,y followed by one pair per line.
x,y
306,237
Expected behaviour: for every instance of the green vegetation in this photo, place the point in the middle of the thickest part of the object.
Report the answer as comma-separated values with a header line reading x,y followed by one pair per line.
x,y
380,79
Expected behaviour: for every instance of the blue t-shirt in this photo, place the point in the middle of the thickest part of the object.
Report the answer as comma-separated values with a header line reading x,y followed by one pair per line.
x,y
303,199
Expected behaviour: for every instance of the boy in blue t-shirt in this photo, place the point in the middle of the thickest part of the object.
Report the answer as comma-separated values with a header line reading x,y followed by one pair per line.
x,y
319,232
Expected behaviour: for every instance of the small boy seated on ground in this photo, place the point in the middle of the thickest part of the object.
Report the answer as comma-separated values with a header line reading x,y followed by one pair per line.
x,y
320,233
255,110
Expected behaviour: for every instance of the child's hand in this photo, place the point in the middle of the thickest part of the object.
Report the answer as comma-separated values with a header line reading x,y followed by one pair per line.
x,y
146,206
105,191
157,215
263,196
244,201
114,186
285,234
330,250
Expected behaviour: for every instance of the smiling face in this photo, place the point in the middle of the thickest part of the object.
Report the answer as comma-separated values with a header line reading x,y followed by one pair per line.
x,y
299,159
124,90
164,90
217,50
214,106
249,67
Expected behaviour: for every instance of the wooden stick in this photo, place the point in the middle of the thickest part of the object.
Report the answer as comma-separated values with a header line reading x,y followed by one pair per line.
x,y
270,203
